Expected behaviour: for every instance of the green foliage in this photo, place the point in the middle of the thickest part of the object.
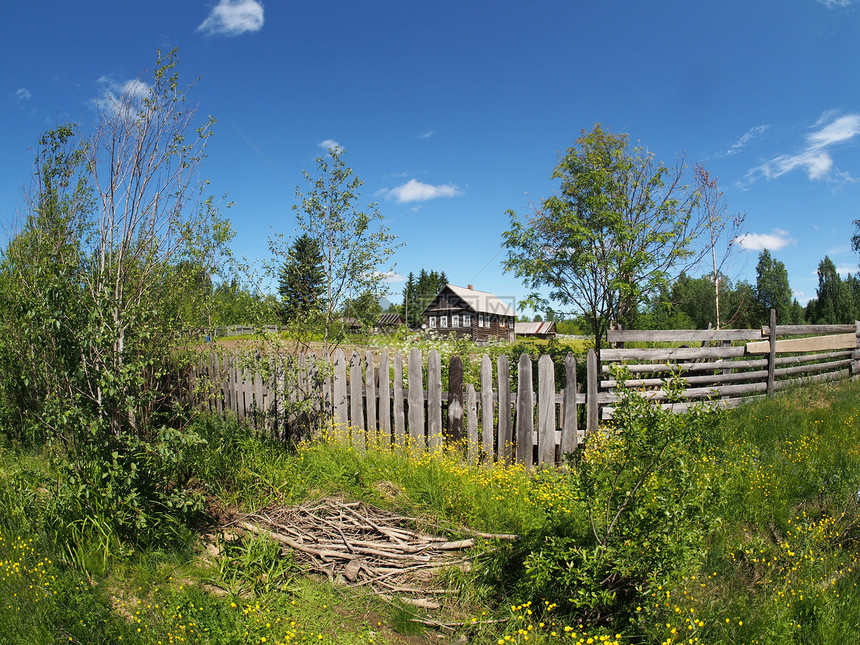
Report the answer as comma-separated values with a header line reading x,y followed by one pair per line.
x,y
772,288
418,293
97,294
855,238
142,488
619,227
645,506
233,303
364,310
688,303
834,302
302,280
356,248
253,565
749,531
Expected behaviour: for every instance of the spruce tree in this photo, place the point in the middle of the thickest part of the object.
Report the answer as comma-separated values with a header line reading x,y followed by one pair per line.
x,y
302,280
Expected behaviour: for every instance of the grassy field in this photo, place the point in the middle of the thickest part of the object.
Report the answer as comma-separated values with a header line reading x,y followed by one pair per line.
x,y
737,527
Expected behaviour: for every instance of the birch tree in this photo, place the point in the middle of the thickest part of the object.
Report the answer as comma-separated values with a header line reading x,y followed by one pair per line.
x,y
357,249
103,287
620,226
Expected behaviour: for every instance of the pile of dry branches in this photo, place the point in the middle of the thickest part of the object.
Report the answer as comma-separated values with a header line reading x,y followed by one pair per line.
x,y
357,544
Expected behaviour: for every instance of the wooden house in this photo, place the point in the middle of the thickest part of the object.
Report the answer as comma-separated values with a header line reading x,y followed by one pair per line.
x,y
479,315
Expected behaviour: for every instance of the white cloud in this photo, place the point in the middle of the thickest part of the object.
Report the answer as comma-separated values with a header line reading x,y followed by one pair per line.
x,y
845,269
121,97
772,241
830,4
748,136
392,277
330,144
814,158
233,18
22,95
838,250
427,134
416,191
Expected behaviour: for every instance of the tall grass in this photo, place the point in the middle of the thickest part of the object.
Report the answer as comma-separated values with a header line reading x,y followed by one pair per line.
x,y
766,544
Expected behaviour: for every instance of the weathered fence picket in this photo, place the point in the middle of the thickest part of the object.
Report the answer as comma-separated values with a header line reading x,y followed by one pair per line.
x,y
416,399
487,412
505,434
525,413
399,417
434,402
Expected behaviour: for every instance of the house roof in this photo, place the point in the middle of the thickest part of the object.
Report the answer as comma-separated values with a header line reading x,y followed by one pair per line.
x,y
481,302
534,328
389,319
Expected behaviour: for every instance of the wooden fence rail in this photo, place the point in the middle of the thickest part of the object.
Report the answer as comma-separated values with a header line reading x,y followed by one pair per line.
x,y
382,399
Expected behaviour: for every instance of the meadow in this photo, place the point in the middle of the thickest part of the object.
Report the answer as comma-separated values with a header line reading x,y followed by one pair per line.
x,y
712,527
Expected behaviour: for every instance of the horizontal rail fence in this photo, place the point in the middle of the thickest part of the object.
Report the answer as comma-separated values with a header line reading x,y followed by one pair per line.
x,y
398,400
727,365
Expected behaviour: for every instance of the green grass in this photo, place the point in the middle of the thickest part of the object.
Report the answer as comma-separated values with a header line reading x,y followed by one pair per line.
x,y
774,556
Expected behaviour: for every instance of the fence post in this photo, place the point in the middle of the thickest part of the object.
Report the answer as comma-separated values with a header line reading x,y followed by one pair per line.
x,y
505,434
569,432
434,402
546,411
218,380
771,359
593,408
455,399
339,396
399,417
525,412
416,400
855,364
356,413
472,423
487,406
370,400
384,402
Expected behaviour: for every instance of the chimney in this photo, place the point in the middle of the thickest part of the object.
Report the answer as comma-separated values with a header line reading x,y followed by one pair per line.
x,y
471,288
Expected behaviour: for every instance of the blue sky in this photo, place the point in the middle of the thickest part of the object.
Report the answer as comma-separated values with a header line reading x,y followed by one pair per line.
x,y
453,112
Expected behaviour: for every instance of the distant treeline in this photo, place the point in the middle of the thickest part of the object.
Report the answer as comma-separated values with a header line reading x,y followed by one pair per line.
x,y
691,303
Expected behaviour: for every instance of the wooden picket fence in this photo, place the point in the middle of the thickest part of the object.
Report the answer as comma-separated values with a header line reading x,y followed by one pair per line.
x,y
399,400
382,399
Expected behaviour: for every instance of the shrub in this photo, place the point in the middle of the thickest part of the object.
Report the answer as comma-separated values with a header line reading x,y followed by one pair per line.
x,y
645,503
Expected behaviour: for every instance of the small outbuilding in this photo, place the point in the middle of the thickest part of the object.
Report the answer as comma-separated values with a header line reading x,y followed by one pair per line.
x,y
478,315
387,322
545,330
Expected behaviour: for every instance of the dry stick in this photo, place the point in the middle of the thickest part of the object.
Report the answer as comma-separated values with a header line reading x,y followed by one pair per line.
x,y
423,603
429,565
292,543
382,530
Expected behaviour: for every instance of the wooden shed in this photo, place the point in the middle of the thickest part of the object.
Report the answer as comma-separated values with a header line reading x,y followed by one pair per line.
x,y
545,330
463,311
387,322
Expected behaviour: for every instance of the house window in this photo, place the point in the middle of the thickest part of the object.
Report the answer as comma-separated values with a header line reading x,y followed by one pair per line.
x,y
467,320
455,320
432,322
501,322
444,321
480,320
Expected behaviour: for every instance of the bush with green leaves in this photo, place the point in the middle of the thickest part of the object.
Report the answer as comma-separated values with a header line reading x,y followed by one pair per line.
x,y
645,502
98,291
